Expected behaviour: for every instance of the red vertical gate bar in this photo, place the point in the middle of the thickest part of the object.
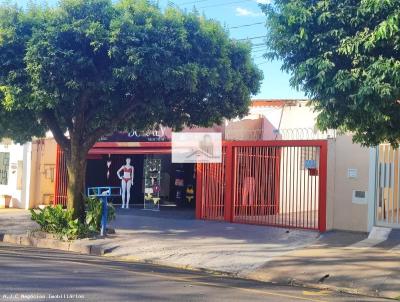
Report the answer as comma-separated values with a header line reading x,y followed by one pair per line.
x,y
211,184
57,176
199,193
228,209
61,181
323,164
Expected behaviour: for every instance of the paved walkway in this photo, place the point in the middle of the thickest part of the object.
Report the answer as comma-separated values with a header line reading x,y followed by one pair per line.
x,y
232,248
16,221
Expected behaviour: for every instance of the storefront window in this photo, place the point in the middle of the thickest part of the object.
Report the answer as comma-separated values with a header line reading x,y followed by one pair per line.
x,y
4,167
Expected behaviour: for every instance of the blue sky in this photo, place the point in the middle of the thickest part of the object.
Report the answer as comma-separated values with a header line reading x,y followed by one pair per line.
x,y
236,13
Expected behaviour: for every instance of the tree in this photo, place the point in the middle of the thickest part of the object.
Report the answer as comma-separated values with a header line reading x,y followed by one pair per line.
x,y
346,56
91,67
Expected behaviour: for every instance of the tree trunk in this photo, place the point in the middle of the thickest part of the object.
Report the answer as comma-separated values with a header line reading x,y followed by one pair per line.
x,y
76,165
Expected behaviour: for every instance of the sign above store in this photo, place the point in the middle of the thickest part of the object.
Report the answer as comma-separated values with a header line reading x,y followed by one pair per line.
x,y
160,135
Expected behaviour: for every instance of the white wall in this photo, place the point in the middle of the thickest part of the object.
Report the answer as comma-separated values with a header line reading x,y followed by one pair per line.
x,y
16,155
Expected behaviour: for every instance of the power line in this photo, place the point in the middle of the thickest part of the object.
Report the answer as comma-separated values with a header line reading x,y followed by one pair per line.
x,y
213,5
259,57
259,50
258,45
246,25
192,2
251,38
225,4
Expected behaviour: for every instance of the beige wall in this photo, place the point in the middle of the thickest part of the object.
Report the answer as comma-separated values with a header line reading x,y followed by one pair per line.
x,y
342,212
43,171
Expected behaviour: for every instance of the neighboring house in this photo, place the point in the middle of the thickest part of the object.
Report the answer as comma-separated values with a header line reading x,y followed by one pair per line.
x,y
277,119
14,174
43,161
349,205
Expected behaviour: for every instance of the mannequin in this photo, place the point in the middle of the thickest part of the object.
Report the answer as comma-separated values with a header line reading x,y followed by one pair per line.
x,y
126,182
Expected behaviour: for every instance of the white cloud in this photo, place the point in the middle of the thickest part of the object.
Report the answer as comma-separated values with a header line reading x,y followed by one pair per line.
x,y
240,11
264,1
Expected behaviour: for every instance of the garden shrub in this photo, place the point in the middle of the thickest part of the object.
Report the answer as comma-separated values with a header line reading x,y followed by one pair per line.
x,y
59,221
93,213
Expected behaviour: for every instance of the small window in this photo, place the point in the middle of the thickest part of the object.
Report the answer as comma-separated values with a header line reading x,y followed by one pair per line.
x,y
359,194
4,167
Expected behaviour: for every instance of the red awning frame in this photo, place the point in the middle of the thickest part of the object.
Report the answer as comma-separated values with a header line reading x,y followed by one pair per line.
x,y
104,148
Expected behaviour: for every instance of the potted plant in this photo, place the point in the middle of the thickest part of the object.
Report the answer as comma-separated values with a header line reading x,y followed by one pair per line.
x,y
5,201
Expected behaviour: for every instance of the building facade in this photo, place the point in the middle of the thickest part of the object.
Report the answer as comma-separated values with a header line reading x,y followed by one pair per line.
x,y
276,147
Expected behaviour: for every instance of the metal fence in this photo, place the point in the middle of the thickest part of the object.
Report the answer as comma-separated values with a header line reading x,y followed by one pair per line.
x,y
278,183
61,179
211,182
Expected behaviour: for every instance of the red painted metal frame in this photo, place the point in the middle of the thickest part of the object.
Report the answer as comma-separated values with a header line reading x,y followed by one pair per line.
x,y
199,205
322,186
227,173
102,148
137,151
300,197
133,144
211,183
131,148
61,179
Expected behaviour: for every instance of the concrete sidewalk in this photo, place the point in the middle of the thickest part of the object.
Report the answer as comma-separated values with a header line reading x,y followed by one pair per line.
x,y
341,260
16,221
176,239
185,242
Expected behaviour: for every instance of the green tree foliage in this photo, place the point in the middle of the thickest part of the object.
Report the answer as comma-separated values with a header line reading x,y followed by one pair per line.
x,y
346,56
92,67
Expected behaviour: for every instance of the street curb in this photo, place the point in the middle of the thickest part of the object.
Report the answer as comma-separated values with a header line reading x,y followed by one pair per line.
x,y
51,243
319,286
97,250
177,266
293,283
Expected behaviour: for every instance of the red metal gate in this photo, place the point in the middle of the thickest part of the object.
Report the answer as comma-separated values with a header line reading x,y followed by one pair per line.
x,y
211,187
61,181
278,183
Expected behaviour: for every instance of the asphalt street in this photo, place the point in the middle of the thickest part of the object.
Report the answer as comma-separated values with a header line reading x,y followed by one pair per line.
x,y
30,274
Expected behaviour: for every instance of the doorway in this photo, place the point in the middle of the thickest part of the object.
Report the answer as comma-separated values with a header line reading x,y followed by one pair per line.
x,y
177,183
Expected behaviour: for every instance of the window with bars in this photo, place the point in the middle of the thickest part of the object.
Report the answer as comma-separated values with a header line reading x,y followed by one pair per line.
x,y
4,167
